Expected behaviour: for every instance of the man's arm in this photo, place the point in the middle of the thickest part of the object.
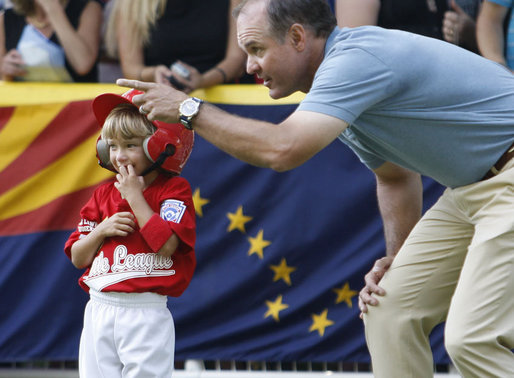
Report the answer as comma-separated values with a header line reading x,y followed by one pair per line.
x,y
280,147
400,199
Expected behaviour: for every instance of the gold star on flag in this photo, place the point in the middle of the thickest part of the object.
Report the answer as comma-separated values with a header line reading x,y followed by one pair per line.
x,y
238,220
275,307
320,322
345,294
199,202
282,271
257,244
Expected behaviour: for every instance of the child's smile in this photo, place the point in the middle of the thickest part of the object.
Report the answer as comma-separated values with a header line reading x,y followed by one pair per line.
x,y
125,152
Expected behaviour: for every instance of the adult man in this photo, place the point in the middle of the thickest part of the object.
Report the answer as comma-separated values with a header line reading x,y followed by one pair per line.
x,y
407,105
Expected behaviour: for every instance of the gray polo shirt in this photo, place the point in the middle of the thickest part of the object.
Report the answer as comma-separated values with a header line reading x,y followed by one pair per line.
x,y
418,102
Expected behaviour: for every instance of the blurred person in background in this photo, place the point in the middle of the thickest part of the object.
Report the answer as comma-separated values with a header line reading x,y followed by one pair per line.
x,y
417,16
453,22
459,23
50,40
495,32
148,37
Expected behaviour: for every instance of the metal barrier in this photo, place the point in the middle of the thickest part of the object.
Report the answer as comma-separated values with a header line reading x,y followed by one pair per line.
x,y
219,369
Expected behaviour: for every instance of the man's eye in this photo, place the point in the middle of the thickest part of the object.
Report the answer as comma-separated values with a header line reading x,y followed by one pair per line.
x,y
255,50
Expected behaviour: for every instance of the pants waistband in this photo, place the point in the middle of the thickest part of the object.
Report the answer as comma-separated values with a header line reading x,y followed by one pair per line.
x,y
502,161
129,299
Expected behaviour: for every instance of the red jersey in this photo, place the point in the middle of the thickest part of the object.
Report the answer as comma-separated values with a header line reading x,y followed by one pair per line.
x,y
128,264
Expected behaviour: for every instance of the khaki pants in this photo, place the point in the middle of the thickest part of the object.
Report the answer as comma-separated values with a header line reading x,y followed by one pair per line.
x,y
456,265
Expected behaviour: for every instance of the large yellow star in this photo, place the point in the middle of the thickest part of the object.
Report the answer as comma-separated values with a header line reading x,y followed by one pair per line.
x,y
199,202
257,244
320,322
345,294
238,220
282,271
275,307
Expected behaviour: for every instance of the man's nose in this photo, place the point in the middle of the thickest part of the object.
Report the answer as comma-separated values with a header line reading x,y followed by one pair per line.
x,y
252,67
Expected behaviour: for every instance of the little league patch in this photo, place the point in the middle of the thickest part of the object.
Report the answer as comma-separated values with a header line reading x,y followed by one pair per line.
x,y
172,210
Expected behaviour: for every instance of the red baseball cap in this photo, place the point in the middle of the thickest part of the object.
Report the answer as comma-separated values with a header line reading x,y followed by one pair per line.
x,y
105,103
167,134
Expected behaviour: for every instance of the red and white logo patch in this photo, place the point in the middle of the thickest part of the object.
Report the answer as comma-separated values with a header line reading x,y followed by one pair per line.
x,y
172,210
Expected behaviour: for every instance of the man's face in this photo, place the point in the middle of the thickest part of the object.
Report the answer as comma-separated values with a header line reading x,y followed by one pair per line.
x,y
274,62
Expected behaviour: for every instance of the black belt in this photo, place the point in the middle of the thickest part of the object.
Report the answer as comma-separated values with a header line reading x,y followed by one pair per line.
x,y
497,167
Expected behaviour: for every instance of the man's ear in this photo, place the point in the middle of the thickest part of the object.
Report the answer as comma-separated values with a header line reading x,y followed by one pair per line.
x,y
296,35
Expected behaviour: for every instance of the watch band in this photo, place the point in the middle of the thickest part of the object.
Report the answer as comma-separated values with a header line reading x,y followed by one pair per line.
x,y
186,120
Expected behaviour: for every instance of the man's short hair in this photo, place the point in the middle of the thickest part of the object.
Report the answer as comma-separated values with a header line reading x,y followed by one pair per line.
x,y
314,15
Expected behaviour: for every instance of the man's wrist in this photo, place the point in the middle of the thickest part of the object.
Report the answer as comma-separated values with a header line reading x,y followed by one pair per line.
x,y
188,110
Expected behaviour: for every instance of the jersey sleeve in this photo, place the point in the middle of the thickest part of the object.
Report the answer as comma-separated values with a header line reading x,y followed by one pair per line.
x,y
90,217
177,209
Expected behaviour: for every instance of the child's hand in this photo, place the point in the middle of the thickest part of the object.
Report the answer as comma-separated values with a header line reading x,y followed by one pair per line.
x,y
119,224
129,184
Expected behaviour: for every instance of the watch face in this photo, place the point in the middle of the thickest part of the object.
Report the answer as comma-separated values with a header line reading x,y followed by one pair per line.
x,y
189,107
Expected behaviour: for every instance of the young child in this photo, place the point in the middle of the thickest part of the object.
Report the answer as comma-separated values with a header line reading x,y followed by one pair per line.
x,y
136,238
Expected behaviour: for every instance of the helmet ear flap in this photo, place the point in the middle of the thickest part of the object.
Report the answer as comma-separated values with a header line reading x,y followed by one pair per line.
x,y
102,154
145,148
157,149
160,148
170,149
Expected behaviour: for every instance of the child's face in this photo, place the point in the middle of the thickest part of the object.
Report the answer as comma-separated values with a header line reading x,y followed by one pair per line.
x,y
124,152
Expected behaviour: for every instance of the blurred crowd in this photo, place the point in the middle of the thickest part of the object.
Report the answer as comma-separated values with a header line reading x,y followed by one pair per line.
x,y
192,44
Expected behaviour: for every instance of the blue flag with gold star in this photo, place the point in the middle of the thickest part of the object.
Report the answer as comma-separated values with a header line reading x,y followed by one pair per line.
x,y
281,256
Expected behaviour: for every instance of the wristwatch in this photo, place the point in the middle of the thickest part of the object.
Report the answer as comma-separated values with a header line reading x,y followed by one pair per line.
x,y
188,109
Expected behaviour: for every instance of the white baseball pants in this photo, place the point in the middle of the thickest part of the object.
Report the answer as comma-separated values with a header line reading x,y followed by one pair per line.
x,y
127,335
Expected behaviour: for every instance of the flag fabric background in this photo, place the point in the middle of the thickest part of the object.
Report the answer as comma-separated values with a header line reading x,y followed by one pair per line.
x,y
281,256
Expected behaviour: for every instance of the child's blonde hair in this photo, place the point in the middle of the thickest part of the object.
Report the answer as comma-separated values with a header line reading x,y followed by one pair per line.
x,y
125,122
